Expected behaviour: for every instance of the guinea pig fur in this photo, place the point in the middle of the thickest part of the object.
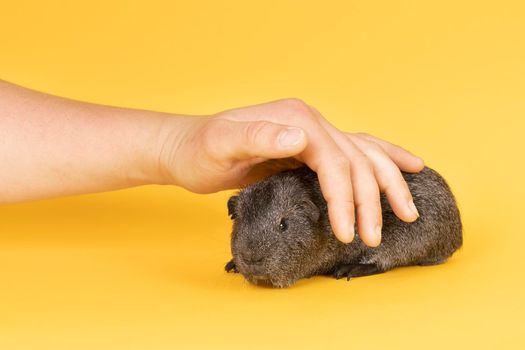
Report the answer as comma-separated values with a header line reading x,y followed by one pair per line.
x,y
281,232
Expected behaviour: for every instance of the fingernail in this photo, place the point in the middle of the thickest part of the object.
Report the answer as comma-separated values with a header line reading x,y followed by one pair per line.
x,y
290,137
347,236
412,207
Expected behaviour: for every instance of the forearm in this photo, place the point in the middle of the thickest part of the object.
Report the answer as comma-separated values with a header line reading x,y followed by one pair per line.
x,y
50,146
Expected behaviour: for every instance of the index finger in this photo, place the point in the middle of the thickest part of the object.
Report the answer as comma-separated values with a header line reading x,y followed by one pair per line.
x,y
333,170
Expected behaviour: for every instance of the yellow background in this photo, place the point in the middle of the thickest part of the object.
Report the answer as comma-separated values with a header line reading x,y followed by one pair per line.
x,y
143,268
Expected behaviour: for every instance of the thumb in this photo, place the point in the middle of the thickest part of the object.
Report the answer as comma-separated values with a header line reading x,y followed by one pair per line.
x,y
261,139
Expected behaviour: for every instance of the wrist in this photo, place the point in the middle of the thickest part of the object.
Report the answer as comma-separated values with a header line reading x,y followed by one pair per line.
x,y
167,148
143,150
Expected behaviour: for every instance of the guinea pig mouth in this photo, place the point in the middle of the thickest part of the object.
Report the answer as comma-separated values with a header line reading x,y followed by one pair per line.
x,y
257,275
266,281
261,275
261,280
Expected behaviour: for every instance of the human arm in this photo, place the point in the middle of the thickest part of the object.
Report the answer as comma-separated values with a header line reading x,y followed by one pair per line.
x,y
51,146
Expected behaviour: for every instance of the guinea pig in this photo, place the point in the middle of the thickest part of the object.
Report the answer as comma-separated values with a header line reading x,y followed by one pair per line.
x,y
281,231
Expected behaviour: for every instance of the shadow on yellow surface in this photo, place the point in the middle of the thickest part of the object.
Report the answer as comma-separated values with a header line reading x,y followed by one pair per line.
x,y
143,268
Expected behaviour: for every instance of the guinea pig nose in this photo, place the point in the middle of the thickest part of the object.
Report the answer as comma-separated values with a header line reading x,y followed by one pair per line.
x,y
251,257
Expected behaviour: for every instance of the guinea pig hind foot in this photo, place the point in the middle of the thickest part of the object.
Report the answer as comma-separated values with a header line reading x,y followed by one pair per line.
x,y
355,270
231,267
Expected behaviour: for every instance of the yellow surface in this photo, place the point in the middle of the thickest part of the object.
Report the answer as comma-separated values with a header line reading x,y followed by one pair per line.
x,y
143,268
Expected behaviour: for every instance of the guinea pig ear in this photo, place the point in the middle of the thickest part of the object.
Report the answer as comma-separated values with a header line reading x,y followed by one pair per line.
x,y
231,206
311,210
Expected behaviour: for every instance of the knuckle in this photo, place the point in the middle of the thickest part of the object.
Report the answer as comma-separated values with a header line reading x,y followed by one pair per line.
x,y
361,162
366,200
298,106
348,202
368,197
340,198
374,147
294,102
340,162
316,113
370,149
403,187
364,135
396,185
256,131
389,185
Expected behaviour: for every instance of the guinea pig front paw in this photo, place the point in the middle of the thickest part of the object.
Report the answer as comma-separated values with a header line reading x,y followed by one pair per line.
x,y
230,267
355,270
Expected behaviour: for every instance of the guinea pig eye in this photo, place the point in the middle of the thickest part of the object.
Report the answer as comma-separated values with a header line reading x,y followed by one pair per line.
x,y
283,225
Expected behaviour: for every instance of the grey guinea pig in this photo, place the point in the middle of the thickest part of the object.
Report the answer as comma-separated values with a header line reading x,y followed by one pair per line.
x,y
281,231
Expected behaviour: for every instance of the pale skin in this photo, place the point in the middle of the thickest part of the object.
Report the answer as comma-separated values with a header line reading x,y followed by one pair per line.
x,y
51,146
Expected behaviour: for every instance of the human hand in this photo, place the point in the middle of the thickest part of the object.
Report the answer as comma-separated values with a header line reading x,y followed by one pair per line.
x,y
240,146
